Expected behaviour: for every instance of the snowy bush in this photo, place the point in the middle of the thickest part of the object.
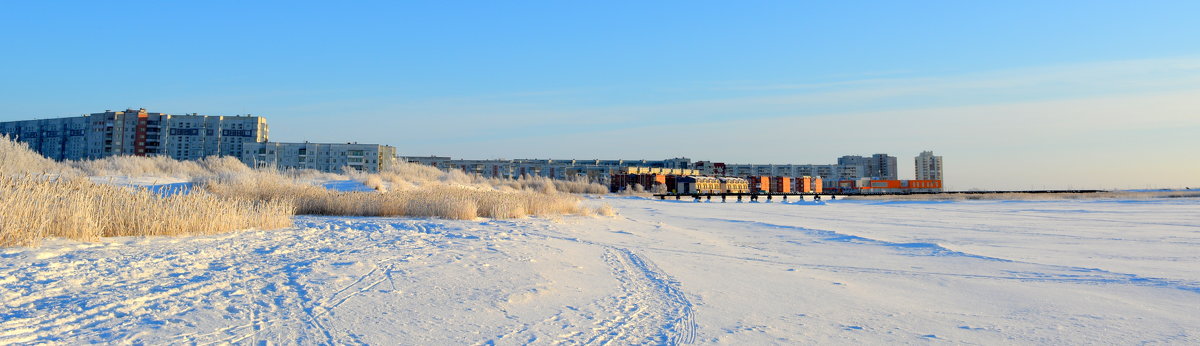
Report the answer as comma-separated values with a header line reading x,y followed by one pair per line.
x,y
41,198
16,158
160,166
434,200
408,176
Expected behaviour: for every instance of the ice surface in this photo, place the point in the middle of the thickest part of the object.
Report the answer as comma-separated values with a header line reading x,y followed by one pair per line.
x,y
989,272
347,186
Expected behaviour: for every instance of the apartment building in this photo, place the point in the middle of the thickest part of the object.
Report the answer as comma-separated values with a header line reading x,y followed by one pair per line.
x,y
138,133
60,139
929,167
830,174
878,166
325,157
593,169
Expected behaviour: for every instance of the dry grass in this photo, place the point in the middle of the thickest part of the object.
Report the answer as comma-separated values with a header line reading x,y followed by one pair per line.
x,y
160,166
431,200
405,176
606,210
1031,196
17,159
40,198
35,208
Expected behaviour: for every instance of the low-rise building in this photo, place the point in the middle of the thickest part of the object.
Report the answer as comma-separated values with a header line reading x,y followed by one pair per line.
x,y
325,157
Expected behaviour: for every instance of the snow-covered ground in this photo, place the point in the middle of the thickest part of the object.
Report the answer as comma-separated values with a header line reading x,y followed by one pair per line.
x,y
997,272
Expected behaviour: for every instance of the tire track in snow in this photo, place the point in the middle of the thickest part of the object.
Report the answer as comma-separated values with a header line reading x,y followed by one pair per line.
x,y
650,299
152,286
649,307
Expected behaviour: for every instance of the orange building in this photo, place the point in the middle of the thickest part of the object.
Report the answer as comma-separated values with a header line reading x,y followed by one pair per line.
x,y
803,185
781,184
759,183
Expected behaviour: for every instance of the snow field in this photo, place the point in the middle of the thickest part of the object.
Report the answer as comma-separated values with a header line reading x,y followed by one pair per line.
x,y
1047,272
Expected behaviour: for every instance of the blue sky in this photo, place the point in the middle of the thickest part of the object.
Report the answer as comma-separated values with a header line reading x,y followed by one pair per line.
x,y
763,82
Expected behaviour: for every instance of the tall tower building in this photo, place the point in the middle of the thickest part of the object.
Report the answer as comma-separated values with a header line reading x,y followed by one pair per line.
x,y
929,167
882,166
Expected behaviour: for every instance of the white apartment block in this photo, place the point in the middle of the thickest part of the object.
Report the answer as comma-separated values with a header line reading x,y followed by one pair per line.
x,y
878,166
929,167
325,157
137,133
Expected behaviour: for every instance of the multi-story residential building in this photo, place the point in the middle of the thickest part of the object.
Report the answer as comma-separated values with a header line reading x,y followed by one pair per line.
x,y
594,169
929,167
60,139
853,160
878,166
325,157
882,166
830,174
138,133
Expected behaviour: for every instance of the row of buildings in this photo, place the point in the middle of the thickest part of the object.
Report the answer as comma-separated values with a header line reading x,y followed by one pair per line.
x,y
594,170
136,132
850,168
192,136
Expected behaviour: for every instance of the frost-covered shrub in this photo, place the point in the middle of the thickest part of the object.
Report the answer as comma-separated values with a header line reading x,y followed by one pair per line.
x,y
17,159
440,200
160,166
407,176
